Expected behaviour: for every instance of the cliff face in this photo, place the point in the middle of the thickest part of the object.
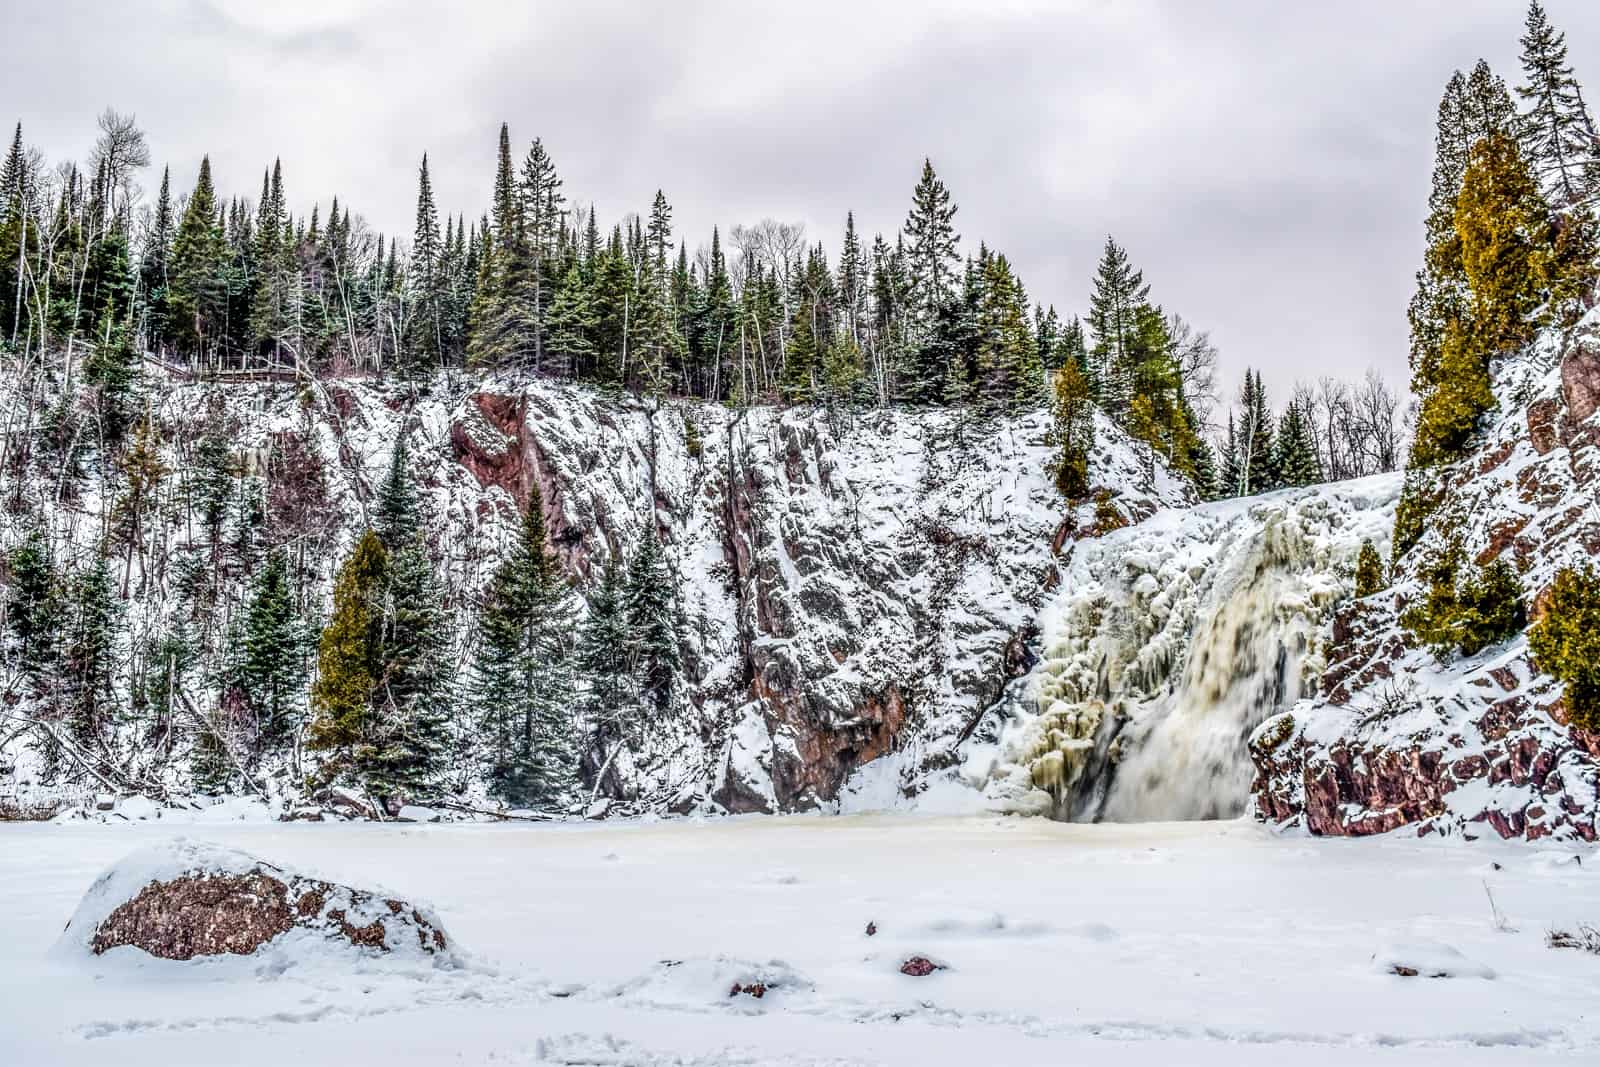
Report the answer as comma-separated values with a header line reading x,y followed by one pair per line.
x,y
1478,744
845,582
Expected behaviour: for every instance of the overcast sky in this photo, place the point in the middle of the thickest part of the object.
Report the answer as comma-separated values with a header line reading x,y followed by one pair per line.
x,y
1265,163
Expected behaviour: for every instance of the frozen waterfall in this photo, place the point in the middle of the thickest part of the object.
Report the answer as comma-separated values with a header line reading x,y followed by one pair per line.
x,y
1169,643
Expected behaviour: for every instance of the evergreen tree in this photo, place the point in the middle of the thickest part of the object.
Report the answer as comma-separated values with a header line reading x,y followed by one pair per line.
x,y
94,636
652,623
523,686
34,608
1009,373
415,707
602,643
425,281
398,512
154,269
271,664
1072,432
1119,292
1230,475
1295,462
1369,571
1557,132
1256,450
350,659
1566,642
199,292
932,255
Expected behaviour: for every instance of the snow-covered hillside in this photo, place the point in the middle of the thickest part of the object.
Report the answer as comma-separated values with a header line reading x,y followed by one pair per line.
x,y
845,580
1478,743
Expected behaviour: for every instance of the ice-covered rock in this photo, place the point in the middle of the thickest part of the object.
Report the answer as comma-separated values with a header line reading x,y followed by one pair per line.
x,y
183,900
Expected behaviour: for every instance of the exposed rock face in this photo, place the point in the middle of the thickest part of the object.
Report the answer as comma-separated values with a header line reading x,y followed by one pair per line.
x,y
848,580
184,901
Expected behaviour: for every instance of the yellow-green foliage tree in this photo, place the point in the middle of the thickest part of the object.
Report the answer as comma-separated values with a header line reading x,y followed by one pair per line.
x,y
1566,642
1072,432
1504,242
350,652
1369,570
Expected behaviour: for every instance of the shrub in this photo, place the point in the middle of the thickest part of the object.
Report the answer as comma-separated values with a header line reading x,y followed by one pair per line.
x,y
1466,609
1369,570
1566,642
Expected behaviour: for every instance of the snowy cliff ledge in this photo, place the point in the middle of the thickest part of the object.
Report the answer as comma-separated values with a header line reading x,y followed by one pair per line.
x,y
1171,641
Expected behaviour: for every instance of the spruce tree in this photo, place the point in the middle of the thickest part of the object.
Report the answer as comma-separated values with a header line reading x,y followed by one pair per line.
x,y
414,705
94,641
199,294
1556,130
931,256
1119,292
425,282
35,610
652,623
523,688
398,518
271,664
1072,432
1295,462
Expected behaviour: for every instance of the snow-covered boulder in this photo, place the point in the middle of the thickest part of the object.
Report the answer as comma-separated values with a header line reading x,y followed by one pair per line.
x,y
183,900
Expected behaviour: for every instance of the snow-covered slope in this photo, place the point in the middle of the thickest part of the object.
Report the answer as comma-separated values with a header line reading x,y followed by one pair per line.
x,y
847,581
1397,737
1169,643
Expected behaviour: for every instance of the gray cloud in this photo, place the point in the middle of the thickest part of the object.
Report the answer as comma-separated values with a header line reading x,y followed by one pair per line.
x,y
1265,163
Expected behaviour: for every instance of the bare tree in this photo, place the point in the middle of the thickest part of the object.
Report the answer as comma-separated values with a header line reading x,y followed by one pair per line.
x,y
1378,416
1196,358
121,150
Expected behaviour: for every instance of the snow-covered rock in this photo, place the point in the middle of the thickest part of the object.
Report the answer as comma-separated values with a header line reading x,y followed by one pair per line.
x,y
183,900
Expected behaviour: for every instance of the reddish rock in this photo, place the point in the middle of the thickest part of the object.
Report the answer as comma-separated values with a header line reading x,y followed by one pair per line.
x,y
919,967
1580,382
1543,427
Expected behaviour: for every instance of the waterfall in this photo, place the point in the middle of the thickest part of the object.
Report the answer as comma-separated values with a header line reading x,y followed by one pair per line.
x,y
1169,643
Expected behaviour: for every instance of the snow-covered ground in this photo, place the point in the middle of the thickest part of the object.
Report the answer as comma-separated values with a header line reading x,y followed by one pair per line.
x,y
617,943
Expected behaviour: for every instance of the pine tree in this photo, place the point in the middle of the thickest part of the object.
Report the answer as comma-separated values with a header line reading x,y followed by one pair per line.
x,y
1230,475
271,664
652,624
1556,130
523,687
608,685
1566,642
1256,450
545,205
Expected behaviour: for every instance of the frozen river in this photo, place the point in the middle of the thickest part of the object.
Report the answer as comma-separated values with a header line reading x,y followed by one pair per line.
x,y
1193,943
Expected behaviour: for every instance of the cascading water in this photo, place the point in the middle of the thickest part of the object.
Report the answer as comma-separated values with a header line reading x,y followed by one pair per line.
x,y
1169,644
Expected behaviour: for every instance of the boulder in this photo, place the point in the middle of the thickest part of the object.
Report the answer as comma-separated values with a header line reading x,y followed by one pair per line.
x,y
183,900
1580,382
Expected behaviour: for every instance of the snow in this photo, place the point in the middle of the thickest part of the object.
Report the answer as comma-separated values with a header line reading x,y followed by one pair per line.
x,y
619,943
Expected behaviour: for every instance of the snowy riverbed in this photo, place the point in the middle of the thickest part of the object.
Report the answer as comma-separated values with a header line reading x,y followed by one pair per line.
x,y
1192,943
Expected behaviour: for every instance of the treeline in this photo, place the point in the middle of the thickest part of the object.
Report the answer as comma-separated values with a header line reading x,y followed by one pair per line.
x,y
1511,246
